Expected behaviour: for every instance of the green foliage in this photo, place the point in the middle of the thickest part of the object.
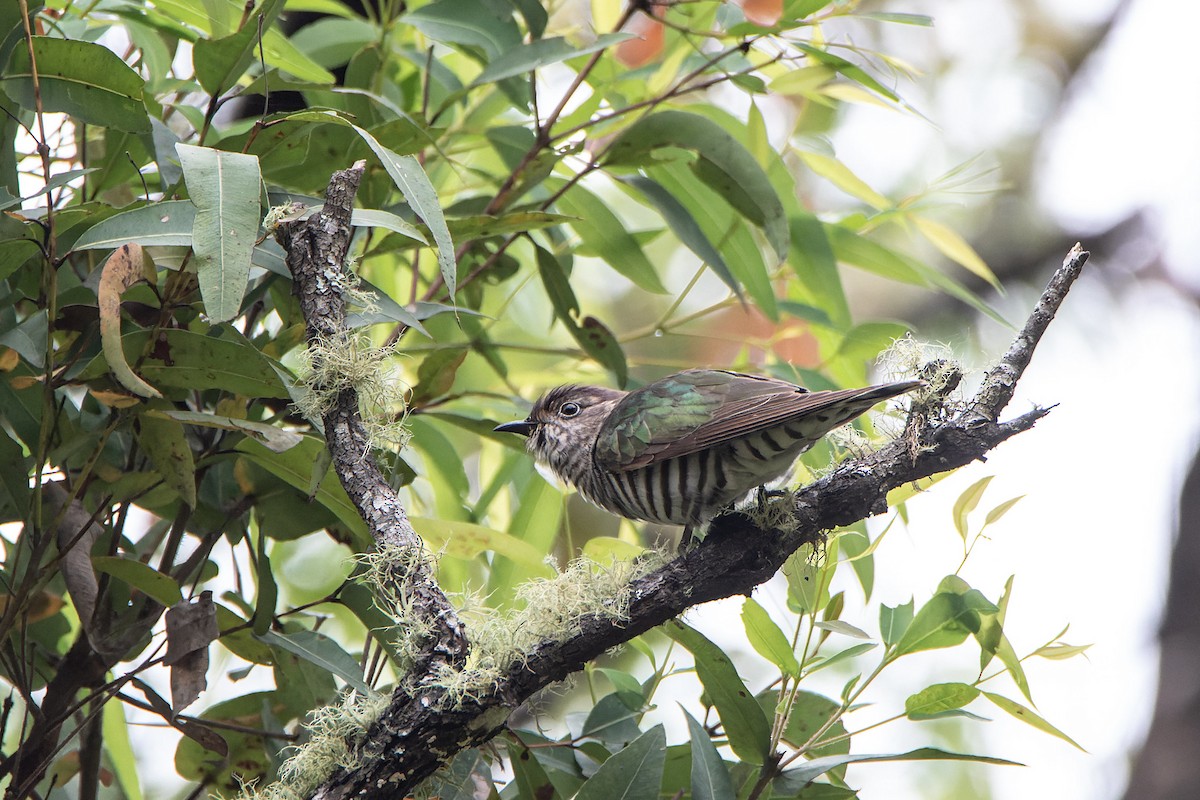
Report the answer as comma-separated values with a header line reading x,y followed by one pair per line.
x,y
539,206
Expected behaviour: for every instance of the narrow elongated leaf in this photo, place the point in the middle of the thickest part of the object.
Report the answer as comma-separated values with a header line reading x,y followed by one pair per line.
x,y
1026,715
469,22
599,342
219,63
318,649
993,642
767,638
278,48
966,503
85,80
745,724
411,180
295,467
849,69
1061,651
812,770
721,224
724,164
605,235
955,248
814,263
536,522
1002,509
844,628
840,176
684,226
369,218
225,188
119,749
276,439
193,361
467,540
710,776
160,224
56,181
539,53
634,773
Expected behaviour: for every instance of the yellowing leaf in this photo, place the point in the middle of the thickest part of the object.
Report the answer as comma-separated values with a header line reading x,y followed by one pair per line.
x,y
122,270
840,176
966,503
955,248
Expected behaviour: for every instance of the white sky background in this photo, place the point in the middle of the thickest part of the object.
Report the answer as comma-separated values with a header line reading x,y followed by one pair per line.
x,y
1090,542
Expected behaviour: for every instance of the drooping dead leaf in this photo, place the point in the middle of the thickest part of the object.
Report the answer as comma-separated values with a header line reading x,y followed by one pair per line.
x,y
122,270
76,533
191,628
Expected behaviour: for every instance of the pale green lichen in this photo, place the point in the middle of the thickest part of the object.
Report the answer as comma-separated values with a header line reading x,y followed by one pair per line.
x,y
545,610
334,733
385,572
775,512
349,360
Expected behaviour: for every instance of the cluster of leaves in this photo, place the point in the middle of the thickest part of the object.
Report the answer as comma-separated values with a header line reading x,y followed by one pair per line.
x,y
150,450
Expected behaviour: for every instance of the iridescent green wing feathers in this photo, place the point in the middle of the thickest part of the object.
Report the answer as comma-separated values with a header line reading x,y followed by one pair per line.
x,y
697,409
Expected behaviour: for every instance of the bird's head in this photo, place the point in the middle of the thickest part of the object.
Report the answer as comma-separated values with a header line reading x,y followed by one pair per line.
x,y
564,422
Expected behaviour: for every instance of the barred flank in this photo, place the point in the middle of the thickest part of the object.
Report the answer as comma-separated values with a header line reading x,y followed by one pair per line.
x,y
691,489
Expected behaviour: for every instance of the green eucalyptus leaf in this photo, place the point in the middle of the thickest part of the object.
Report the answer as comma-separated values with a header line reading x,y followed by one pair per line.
x,y
225,188
85,80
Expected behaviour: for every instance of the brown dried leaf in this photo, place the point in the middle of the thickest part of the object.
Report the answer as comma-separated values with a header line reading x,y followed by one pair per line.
x,y
76,533
122,270
191,628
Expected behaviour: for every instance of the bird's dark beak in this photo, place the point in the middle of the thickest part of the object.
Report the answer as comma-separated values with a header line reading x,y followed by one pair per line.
x,y
523,427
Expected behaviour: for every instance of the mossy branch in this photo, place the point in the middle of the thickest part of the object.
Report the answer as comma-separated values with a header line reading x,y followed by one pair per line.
x,y
420,731
316,254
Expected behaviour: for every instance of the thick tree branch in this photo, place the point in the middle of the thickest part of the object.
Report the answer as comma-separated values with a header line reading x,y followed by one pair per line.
x,y
422,730
316,254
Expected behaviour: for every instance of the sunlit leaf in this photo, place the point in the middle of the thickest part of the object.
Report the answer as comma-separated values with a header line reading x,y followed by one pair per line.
x,y
767,638
1026,715
938,698
966,503
956,248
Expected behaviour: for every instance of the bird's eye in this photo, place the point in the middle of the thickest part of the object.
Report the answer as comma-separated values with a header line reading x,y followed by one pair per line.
x,y
569,409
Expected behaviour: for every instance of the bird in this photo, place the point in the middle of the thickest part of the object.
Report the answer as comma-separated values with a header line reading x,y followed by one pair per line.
x,y
688,446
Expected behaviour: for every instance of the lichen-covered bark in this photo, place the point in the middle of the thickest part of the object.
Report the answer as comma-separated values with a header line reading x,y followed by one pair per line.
x,y
316,251
422,730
